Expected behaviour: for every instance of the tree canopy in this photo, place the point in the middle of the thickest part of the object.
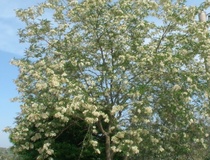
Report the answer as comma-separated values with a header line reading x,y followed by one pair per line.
x,y
133,73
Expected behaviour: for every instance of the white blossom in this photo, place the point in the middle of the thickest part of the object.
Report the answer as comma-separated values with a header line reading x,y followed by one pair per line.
x,y
148,110
176,87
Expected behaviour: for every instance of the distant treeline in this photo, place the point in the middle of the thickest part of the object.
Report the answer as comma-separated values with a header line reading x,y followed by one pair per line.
x,y
6,154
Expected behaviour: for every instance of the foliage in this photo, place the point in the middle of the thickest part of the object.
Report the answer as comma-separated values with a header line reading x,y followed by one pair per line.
x,y
68,144
135,71
7,154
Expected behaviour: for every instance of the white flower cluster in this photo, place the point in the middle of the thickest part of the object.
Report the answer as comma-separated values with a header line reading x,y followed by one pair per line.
x,y
148,110
45,150
176,87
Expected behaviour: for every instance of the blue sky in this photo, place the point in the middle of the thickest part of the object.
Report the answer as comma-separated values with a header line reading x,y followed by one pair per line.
x,y
10,48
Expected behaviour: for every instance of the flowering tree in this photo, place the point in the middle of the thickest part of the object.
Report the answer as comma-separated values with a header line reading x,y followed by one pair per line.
x,y
132,70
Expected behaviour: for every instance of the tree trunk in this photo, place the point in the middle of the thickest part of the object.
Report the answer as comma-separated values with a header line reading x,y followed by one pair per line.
x,y
108,148
109,153
125,158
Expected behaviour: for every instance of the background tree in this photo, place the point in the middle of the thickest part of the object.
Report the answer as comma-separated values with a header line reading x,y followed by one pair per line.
x,y
131,73
6,153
